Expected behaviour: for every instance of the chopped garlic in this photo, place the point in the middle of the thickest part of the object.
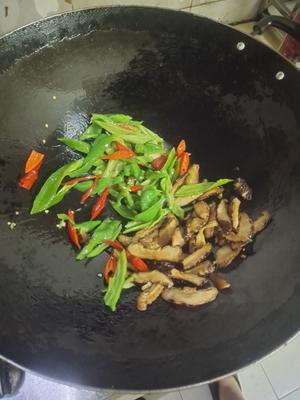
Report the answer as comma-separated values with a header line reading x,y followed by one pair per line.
x,y
12,225
46,126
46,211
54,97
17,212
44,141
61,225
8,223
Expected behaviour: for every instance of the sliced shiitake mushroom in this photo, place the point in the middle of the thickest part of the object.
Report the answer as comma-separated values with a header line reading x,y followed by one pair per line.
x,y
223,216
219,282
235,212
193,174
187,277
167,253
124,240
209,232
242,188
190,296
148,296
202,211
204,268
166,230
177,237
245,231
193,225
261,222
196,257
225,255
154,276
150,241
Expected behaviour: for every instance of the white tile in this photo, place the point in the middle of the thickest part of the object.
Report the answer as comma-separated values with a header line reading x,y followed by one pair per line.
x,y
163,396
255,385
283,368
228,11
175,4
292,396
198,393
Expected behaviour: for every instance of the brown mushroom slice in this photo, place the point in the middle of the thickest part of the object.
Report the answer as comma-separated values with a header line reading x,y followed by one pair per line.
x,y
187,277
177,238
235,212
146,286
261,222
213,192
245,231
202,211
193,225
154,276
167,253
196,257
178,183
148,296
190,296
225,255
219,282
242,188
184,201
204,268
223,216
167,229
209,232
124,240
200,237
193,174
150,241
145,232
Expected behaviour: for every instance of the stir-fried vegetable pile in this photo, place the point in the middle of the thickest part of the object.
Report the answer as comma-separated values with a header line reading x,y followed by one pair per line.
x,y
125,166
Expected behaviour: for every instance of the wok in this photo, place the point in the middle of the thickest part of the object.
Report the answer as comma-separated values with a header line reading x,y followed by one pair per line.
x,y
186,77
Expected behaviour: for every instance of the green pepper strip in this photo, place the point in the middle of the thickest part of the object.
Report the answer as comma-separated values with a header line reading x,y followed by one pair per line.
x,y
199,188
46,196
116,283
108,230
97,150
77,145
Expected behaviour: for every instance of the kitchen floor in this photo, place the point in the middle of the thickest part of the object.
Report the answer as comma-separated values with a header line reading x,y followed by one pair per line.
x,y
275,377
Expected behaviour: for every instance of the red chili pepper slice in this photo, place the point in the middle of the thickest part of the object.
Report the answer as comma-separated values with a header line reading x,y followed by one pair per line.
x,y
80,179
34,161
110,267
121,147
119,155
137,262
184,163
127,127
27,181
181,148
159,162
87,194
100,204
72,231
115,244
136,188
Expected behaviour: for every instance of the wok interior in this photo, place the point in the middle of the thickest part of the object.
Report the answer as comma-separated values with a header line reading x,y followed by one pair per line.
x,y
185,80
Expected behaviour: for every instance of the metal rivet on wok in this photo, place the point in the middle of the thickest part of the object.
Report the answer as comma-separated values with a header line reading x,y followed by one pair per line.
x,y
279,75
240,46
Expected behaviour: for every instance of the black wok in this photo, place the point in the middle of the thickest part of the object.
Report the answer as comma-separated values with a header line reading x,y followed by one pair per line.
x,y
185,77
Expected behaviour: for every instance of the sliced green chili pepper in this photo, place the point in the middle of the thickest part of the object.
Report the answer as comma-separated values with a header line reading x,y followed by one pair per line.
x,y
116,283
77,145
148,197
87,226
108,230
46,195
83,186
97,150
199,188
134,226
124,211
151,213
91,132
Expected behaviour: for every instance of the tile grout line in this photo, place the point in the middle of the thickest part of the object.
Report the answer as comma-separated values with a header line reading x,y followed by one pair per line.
x,y
268,379
289,393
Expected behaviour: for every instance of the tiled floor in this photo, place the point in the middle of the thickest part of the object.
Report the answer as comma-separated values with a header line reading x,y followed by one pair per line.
x,y
276,377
